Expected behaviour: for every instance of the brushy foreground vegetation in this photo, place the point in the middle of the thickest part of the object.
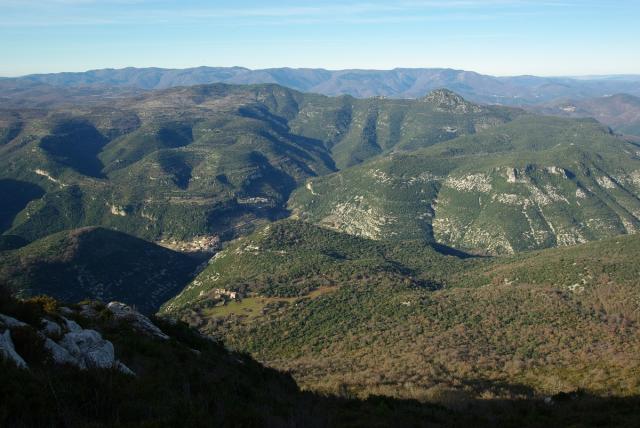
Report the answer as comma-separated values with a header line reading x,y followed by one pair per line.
x,y
192,381
408,321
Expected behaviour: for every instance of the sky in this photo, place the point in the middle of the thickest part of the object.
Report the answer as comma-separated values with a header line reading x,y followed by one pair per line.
x,y
499,37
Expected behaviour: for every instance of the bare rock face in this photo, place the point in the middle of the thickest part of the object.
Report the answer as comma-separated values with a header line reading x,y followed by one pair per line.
x,y
50,328
85,348
71,325
11,322
446,100
79,347
59,354
89,348
8,351
139,322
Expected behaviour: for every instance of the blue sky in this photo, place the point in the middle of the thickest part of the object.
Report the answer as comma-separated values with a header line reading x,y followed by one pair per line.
x,y
501,37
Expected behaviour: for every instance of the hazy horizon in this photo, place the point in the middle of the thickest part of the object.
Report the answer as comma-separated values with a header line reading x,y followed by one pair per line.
x,y
495,37
585,76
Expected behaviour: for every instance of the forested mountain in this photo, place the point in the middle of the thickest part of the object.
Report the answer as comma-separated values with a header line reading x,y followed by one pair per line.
x,y
534,182
619,111
169,375
99,264
204,162
407,320
187,162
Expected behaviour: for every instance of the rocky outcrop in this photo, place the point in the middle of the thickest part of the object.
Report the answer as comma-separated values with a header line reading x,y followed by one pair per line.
x,y
8,351
59,354
71,325
89,349
50,328
10,322
68,343
138,321
84,348
448,101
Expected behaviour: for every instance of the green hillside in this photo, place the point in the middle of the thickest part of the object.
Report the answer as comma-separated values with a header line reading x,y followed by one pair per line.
x,y
185,380
182,164
404,320
185,163
367,247
532,183
356,130
97,263
289,259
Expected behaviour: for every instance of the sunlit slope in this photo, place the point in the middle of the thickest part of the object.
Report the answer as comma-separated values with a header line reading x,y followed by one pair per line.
x,y
213,159
405,320
532,183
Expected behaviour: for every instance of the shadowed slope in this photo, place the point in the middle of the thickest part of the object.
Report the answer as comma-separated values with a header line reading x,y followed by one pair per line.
x,y
97,263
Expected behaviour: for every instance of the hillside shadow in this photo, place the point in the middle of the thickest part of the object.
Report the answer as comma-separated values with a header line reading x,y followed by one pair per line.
x,y
76,144
175,164
453,408
14,197
299,145
450,251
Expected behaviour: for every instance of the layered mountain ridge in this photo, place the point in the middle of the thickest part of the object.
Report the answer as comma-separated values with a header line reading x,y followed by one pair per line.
x,y
191,162
531,183
397,83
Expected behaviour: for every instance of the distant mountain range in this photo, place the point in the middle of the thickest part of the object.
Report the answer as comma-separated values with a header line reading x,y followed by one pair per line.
x,y
620,111
396,83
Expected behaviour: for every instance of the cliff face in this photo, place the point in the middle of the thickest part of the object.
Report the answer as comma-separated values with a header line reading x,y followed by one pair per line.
x,y
530,184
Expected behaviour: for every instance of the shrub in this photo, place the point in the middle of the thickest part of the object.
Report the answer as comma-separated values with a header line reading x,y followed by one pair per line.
x,y
47,303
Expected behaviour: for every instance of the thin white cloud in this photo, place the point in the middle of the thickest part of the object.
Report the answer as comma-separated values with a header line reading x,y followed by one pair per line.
x,y
156,12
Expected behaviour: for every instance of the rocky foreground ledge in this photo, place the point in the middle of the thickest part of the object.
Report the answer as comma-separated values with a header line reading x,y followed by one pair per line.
x,y
65,339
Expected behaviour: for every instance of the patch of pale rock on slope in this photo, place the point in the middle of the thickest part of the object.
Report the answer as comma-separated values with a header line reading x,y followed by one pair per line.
x,y
8,351
536,196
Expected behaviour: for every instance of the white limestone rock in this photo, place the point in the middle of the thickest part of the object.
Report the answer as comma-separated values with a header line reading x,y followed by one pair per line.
x,y
11,322
8,351
59,354
71,325
138,321
124,369
85,349
50,328
89,348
